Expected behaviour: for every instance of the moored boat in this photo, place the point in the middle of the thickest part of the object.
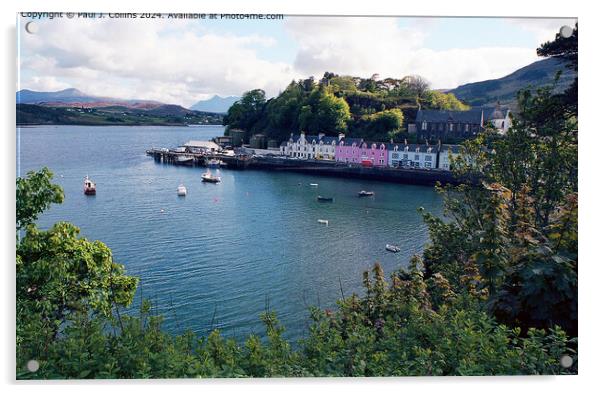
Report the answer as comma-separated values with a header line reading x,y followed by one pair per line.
x,y
313,184
184,160
213,163
325,222
209,178
392,248
89,186
325,199
181,190
363,193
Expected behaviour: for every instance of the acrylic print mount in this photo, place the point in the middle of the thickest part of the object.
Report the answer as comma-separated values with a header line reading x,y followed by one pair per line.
x,y
266,195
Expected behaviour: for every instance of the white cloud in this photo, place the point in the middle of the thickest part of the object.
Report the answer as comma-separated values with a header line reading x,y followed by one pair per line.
x,y
544,29
182,62
45,83
363,46
134,59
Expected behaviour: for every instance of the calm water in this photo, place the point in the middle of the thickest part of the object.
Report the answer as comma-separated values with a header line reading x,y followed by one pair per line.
x,y
220,255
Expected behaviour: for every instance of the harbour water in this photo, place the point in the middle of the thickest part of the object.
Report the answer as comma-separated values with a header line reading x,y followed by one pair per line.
x,y
220,256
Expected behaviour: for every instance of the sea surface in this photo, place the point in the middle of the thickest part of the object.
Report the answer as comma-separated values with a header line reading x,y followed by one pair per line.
x,y
226,252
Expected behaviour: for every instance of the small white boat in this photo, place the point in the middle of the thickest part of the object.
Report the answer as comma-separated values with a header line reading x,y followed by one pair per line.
x,y
89,186
213,163
364,193
209,178
313,184
392,248
325,222
181,190
184,160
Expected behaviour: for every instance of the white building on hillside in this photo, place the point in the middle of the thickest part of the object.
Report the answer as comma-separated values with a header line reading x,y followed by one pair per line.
x,y
312,147
413,156
446,153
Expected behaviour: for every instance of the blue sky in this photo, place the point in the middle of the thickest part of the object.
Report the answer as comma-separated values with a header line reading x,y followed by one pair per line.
x,y
179,61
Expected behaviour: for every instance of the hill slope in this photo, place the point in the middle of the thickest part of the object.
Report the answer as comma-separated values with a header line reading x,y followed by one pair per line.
x,y
76,98
504,89
215,104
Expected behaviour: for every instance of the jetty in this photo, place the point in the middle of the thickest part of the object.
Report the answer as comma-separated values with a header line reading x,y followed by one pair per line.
x,y
187,158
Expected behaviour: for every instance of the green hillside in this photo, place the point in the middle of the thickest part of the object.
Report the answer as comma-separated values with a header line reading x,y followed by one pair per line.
x,y
165,115
373,108
540,73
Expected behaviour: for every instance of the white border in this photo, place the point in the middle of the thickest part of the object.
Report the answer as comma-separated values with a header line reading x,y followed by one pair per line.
x,y
589,286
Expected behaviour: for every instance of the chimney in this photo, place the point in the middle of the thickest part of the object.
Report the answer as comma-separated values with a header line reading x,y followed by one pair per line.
x,y
341,136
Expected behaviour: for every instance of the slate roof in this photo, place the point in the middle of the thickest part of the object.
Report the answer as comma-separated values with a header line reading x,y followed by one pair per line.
x,y
351,141
455,149
494,113
411,148
472,116
311,138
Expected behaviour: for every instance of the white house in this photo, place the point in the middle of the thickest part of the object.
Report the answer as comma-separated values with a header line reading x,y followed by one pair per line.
x,y
313,147
446,152
499,118
413,156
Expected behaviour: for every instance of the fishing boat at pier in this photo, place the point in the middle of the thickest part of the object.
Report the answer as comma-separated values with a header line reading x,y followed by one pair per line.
x,y
89,186
209,178
213,163
184,160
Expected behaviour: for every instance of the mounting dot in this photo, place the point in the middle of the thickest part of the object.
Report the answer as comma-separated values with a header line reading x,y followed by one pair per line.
x,y
33,366
566,361
31,27
566,31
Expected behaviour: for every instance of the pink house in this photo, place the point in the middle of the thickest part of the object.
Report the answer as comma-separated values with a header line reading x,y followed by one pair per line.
x,y
358,151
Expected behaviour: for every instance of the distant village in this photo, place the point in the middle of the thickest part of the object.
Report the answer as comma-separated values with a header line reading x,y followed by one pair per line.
x,y
430,126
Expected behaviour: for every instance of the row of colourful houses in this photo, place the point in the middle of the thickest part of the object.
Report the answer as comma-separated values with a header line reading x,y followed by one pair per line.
x,y
360,152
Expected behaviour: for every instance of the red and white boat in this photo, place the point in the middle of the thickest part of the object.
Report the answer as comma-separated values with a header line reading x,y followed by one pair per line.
x,y
89,186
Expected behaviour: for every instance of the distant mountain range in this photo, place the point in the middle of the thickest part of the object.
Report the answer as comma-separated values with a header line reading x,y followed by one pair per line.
x,y
77,98
540,73
215,104
71,106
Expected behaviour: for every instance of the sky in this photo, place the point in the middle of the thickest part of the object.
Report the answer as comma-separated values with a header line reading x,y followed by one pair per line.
x,y
184,61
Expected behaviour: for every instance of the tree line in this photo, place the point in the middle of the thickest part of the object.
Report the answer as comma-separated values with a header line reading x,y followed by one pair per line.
x,y
370,108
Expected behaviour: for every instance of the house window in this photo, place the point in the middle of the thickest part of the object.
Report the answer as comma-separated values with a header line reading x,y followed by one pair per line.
x,y
395,156
424,125
405,156
382,162
427,164
428,158
466,128
417,157
451,126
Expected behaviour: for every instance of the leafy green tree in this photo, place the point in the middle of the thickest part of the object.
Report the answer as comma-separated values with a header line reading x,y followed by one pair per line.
x,y
34,195
382,126
59,275
246,112
445,101
324,112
